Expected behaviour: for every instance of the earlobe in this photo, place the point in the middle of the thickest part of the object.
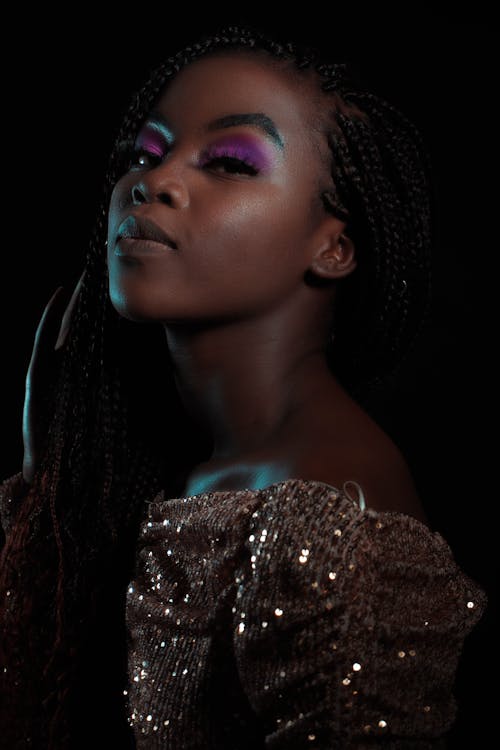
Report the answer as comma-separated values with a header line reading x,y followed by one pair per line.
x,y
335,259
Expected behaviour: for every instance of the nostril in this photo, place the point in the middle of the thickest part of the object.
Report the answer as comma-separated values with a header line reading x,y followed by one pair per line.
x,y
137,195
165,198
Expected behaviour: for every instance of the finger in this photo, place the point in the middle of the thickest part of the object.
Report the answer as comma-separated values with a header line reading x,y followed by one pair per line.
x,y
29,457
66,321
47,328
39,373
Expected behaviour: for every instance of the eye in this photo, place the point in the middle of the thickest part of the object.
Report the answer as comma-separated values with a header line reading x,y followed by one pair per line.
x,y
232,165
232,158
143,159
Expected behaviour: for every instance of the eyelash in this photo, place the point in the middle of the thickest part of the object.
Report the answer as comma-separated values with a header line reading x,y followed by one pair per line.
x,y
224,158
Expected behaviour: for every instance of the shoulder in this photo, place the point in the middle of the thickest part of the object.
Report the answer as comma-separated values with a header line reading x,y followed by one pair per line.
x,y
340,601
383,474
314,544
355,448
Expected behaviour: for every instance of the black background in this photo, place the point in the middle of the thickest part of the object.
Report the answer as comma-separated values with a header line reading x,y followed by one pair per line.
x,y
65,89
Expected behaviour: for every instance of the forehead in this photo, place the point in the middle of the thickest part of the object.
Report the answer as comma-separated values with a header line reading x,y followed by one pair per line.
x,y
224,83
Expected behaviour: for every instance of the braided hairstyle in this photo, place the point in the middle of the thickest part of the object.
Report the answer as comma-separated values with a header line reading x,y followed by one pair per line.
x,y
117,433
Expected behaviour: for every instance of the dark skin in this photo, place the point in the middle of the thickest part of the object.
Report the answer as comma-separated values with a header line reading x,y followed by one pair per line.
x,y
246,332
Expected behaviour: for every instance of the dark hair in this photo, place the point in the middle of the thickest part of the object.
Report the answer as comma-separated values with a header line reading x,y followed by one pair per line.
x,y
112,444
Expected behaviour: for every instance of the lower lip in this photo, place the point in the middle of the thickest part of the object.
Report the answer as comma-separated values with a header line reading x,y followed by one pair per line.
x,y
134,247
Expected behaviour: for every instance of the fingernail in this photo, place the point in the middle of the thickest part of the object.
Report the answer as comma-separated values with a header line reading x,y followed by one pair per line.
x,y
60,341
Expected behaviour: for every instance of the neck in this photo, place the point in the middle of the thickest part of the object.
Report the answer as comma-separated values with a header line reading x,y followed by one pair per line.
x,y
243,381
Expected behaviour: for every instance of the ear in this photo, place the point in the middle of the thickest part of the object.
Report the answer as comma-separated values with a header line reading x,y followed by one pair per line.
x,y
333,251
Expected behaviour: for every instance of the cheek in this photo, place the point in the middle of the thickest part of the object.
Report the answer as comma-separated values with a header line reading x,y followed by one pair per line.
x,y
254,233
120,197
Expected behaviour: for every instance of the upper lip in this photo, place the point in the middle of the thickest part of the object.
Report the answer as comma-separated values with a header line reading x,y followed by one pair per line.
x,y
142,228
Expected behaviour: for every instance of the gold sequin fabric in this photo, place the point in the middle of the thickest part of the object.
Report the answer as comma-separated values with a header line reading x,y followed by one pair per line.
x,y
289,617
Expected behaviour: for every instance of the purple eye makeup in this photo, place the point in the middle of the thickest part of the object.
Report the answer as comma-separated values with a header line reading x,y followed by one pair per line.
x,y
154,139
246,149
241,153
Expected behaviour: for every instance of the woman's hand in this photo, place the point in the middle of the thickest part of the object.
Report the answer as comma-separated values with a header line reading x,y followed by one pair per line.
x,y
50,336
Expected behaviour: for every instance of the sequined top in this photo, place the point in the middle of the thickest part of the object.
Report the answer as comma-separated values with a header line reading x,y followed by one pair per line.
x,y
291,617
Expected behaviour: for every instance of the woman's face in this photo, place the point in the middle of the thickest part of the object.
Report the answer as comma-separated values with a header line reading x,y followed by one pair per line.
x,y
240,203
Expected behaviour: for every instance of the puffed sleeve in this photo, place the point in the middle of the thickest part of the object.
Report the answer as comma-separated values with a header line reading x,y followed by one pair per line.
x,y
348,625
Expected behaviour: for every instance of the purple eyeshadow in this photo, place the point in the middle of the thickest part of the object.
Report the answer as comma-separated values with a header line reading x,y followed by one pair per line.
x,y
244,148
257,154
151,142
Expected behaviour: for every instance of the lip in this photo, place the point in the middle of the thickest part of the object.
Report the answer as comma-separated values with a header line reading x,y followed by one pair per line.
x,y
136,247
140,236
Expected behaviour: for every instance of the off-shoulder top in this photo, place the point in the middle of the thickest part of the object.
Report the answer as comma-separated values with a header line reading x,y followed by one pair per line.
x,y
292,617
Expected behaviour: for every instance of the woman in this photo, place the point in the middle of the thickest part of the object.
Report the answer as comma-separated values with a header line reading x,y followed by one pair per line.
x,y
212,544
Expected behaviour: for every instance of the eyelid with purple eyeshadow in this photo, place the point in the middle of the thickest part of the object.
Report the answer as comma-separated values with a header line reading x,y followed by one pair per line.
x,y
244,147
151,142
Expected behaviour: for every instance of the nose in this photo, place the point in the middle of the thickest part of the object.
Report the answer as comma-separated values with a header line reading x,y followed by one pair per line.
x,y
162,186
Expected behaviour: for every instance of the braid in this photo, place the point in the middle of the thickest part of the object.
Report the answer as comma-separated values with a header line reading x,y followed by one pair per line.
x,y
105,455
382,174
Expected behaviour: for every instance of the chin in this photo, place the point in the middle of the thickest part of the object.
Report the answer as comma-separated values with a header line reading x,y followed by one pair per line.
x,y
129,308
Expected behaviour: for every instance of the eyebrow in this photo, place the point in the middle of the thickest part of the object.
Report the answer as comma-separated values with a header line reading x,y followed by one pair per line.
x,y
257,119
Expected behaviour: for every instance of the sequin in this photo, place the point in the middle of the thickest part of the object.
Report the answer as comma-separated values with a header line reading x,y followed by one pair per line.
x,y
265,563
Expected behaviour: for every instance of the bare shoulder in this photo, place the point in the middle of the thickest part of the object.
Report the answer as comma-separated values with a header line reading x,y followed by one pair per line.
x,y
355,447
